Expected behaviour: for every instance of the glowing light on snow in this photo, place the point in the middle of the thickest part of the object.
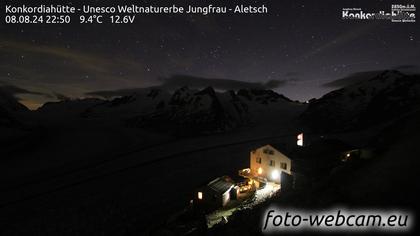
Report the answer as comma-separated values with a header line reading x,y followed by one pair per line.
x,y
266,192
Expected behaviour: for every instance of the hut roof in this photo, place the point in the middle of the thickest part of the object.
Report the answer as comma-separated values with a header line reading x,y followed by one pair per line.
x,y
221,184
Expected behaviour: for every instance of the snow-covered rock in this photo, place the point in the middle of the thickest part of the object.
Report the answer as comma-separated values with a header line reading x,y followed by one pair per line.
x,y
140,103
262,96
192,111
185,110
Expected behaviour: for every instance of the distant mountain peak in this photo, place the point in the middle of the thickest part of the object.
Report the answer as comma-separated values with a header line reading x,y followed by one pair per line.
x,y
207,91
388,74
264,96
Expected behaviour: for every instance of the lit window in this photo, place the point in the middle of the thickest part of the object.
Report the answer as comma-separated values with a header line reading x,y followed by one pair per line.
x,y
272,163
200,195
283,165
260,170
268,151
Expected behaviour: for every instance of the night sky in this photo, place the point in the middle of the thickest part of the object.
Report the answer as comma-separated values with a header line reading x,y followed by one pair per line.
x,y
296,49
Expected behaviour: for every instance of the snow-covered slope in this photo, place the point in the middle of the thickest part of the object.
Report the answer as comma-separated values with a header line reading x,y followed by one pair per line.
x,y
269,108
139,103
184,111
76,107
190,111
372,101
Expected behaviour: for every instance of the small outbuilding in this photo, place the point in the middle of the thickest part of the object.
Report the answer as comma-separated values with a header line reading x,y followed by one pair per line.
x,y
216,193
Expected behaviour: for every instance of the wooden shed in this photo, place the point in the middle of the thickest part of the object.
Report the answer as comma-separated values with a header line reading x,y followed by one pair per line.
x,y
217,193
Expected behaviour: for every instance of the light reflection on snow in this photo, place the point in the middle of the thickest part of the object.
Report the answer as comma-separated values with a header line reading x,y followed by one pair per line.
x,y
262,194
259,197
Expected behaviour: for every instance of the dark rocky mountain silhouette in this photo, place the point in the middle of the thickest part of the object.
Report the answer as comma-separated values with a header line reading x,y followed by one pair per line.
x,y
6,118
381,98
75,107
14,124
9,109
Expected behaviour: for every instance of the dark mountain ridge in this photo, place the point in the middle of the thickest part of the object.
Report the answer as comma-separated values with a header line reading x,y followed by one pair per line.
x,y
372,101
